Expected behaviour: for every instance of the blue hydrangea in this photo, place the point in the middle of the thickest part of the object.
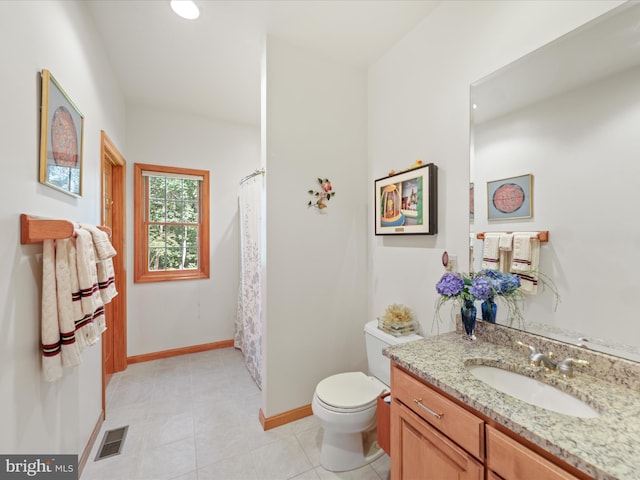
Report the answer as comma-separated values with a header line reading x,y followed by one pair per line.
x,y
450,285
482,288
510,283
503,283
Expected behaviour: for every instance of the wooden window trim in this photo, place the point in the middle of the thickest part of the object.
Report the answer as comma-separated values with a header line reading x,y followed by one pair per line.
x,y
141,244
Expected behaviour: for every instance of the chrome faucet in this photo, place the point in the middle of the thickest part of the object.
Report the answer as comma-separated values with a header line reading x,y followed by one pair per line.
x,y
537,358
565,367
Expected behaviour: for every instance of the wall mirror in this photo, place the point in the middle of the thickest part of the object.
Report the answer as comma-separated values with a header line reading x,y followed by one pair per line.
x,y
568,114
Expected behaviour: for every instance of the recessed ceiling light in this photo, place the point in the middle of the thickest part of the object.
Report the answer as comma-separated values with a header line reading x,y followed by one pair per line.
x,y
185,8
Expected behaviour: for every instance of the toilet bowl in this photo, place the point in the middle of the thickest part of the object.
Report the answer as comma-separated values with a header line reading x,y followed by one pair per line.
x,y
345,406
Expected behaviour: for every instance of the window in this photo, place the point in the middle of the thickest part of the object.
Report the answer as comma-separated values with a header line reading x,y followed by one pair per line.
x,y
171,231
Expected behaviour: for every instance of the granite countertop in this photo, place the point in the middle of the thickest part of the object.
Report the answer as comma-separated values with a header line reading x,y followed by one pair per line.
x,y
606,448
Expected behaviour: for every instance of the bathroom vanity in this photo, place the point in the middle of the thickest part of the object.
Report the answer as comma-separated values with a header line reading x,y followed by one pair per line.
x,y
447,423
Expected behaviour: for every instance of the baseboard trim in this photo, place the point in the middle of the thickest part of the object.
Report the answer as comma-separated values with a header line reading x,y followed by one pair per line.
x,y
82,461
147,357
285,417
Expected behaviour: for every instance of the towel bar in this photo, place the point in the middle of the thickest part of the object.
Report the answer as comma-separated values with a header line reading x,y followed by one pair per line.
x,y
543,235
35,230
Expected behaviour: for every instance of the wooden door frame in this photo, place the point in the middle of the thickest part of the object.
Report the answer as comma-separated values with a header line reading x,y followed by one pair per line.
x,y
109,153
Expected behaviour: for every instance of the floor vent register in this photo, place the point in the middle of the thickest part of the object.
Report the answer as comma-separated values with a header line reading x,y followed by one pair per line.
x,y
112,443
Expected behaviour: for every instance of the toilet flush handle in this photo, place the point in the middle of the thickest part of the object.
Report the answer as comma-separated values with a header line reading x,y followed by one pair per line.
x,y
418,402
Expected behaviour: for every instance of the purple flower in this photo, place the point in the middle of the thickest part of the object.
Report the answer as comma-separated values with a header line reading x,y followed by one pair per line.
x,y
509,284
481,288
503,283
450,285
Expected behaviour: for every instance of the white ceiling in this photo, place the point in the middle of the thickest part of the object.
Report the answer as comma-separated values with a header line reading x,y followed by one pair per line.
x,y
211,66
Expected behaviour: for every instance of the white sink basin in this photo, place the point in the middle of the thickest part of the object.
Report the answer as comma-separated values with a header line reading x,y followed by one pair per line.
x,y
532,391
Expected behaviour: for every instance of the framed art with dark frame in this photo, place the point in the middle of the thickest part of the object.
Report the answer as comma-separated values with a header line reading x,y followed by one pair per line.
x,y
61,131
510,198
406,203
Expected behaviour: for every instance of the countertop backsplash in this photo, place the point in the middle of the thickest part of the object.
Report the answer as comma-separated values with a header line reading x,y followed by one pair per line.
x,y
603,366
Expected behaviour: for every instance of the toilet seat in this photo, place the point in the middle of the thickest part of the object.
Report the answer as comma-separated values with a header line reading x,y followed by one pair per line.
x,y
349,392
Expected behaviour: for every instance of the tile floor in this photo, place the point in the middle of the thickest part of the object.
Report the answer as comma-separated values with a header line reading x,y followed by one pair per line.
x,y
195,417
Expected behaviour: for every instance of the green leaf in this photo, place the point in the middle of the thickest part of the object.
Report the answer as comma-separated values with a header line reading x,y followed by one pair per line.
x,y
310,192
320,181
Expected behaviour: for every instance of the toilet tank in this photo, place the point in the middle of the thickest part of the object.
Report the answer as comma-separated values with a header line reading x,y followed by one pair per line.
x,y
376,341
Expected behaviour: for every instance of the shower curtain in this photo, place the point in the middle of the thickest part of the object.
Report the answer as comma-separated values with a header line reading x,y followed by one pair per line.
x,y
248,331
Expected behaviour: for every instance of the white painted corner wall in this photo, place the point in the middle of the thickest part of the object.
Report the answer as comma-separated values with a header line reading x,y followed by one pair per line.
x,y
316,260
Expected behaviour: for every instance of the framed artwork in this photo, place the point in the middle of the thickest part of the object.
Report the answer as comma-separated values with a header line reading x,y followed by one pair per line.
x,y
406,203
510,198
61,130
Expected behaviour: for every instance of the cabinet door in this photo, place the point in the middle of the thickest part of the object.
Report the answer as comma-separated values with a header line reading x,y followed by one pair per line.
x,y
420,452
513,461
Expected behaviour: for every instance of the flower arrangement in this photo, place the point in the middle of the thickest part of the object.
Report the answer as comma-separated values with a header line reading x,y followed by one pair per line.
x,y
485,285
397,320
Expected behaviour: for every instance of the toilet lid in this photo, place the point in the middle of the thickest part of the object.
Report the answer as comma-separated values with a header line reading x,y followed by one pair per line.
x,y
349,390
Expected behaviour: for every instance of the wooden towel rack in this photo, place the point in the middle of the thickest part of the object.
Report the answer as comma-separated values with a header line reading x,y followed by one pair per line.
x,y
35,230
543,235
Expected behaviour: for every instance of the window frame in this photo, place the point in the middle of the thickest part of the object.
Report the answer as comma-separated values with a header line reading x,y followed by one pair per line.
x,y
142,273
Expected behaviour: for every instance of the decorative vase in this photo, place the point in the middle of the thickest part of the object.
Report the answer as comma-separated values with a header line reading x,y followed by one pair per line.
x,y
489,310
468,312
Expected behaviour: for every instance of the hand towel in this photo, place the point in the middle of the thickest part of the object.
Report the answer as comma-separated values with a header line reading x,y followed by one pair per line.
x,y
101,242
49,330
106,280
505,246
66,322
85,331
104,251
526,258
91,300
491,255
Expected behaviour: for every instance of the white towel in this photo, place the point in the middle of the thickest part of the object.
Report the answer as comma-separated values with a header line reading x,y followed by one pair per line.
x,y
66,321
104,251
88,279
106,280
101,242
49,330
505,246
490,254
85,331
526,258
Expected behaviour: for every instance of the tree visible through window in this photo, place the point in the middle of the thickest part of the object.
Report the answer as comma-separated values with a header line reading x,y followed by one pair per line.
x,y
172,223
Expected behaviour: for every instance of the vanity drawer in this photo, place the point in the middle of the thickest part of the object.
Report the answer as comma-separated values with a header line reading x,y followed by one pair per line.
x,y
511,460
458,424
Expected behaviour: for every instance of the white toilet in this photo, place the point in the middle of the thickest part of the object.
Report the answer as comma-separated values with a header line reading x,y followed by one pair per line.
x,y
345,405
